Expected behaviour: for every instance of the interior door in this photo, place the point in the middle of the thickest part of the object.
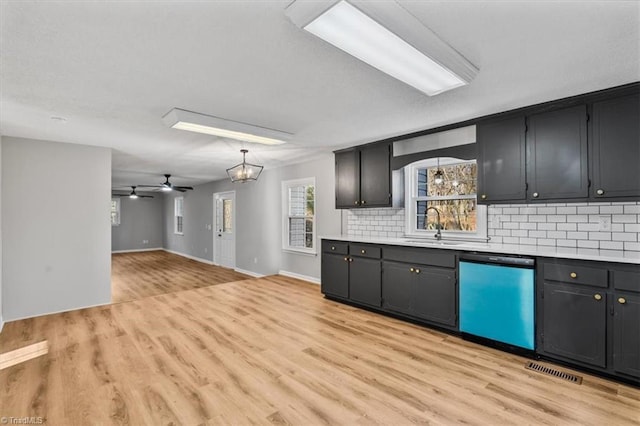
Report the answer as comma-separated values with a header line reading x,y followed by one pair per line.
x,y
224,236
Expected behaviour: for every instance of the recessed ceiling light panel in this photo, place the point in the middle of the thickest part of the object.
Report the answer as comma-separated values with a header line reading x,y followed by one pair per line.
x,y
387,37
201,123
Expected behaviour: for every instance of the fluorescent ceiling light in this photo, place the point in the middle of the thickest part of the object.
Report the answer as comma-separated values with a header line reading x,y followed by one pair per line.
x,y
387,37
201,123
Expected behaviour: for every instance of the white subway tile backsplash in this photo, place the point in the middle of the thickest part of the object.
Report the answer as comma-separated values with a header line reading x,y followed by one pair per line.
x,y
557,224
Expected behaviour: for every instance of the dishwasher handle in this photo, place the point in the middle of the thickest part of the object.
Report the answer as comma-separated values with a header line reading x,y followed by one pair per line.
x,y
523,262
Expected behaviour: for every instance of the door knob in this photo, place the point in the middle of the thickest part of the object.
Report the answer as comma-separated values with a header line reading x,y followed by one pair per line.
x,y
536,195
597,296
622,300
600,191
219,235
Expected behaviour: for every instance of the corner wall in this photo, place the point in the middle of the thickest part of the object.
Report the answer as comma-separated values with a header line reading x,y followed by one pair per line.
x,y
258,219
55,227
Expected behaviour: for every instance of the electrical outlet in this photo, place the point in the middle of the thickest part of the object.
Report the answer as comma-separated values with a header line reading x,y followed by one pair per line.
x,y
145,241
206,250
255,260
604,223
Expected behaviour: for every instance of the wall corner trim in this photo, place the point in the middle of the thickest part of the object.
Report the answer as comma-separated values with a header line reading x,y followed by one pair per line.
x,y
313,280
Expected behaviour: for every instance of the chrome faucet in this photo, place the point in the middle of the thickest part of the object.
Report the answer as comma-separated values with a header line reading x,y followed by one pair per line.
x,y
438,225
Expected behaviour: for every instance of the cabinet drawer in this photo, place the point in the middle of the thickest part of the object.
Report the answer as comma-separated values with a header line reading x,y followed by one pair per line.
x,y
364,250
422,256
337,247
626,280
576,274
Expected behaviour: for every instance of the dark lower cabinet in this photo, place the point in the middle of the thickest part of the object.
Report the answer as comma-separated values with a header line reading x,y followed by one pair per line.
x,y
396,288
422,291
435,295
365,280
335,275
626,334
575,321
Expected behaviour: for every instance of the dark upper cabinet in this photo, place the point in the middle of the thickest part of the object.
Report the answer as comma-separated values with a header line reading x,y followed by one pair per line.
x,y
575,319
347,178
615,147
557,154
502,161
363,177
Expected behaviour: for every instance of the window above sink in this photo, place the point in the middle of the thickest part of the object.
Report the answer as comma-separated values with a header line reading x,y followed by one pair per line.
x,y
449,185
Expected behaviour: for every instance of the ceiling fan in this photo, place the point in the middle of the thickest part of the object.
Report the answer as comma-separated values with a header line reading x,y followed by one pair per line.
x,y
133,194
168,186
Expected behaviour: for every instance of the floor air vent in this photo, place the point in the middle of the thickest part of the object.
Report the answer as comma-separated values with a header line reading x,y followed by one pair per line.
x,y
553,372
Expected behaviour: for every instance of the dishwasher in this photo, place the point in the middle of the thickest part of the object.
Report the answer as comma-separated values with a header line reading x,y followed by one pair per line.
x,y
497,300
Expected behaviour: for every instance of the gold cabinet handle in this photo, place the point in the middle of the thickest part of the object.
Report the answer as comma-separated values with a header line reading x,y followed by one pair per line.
x,y
363,251
351,259
483,196
333,247
346,259
357,203
411,270
417,271
573,275
600,192
363,202
597,296
622,300
536,195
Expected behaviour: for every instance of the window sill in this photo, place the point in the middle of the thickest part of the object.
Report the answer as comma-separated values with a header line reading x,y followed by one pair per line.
x,y
300,251
178,233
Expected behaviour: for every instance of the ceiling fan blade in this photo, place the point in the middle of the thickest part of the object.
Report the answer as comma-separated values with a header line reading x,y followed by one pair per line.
x,y
150,186
145,196
183,188
178,188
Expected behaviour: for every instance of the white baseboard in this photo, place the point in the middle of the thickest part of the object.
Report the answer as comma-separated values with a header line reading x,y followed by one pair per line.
x,y
78,308
299,276
250,273
197,259
1,324
137,250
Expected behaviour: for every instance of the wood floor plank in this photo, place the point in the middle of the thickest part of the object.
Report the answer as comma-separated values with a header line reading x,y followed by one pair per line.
x,y
274,351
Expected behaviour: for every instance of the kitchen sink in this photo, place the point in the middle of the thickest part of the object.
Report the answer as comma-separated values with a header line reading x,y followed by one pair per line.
x,y
436,243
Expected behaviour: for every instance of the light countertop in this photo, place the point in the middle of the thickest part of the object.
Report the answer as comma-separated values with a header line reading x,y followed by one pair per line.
x,y
619,256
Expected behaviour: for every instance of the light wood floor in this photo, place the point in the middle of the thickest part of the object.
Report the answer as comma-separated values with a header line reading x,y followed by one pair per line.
x,y
272,350
138,275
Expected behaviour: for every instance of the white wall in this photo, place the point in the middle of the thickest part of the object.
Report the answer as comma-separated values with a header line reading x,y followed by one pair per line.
x,y
258,218
140,220
56,232
1,311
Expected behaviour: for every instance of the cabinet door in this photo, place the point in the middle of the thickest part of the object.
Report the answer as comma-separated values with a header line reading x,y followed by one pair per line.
x,y
557,160
347,179
575,323
335,275
364,281
616,147
626,334
375,175
434,295
396,287
502,161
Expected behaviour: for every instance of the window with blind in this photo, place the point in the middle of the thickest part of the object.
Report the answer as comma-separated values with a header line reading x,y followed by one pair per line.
x,y
299,215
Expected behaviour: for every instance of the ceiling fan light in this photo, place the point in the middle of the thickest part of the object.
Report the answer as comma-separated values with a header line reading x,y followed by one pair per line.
x,y
133,196
166,188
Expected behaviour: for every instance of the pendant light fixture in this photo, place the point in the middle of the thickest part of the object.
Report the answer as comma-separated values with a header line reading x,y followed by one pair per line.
x,y
439,176
244,172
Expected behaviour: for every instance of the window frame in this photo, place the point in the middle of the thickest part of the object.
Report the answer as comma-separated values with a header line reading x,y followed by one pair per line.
x,y
176,215
118,221
286,185
411,199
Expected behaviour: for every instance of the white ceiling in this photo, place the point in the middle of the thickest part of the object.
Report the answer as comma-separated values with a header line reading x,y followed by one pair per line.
x,y
114,68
